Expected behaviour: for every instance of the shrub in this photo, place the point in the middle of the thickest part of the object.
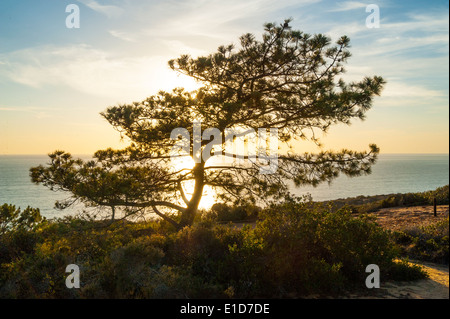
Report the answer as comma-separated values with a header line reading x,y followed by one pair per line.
x,y
428,243
441,194
12,219
18,231
202,248
295,249
126,271
402,270
221,212
367,204
303,244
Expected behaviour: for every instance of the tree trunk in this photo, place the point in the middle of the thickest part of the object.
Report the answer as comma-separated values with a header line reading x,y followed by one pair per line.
x,y
113,209
187,217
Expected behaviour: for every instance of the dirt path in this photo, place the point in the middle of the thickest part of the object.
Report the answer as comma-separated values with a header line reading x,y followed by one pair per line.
x,y
435,287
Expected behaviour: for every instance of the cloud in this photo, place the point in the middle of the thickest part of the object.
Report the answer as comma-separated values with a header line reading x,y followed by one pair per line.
x,y
38,112
108,10
404,90
129,74
348,5
123,35
413,49
431,22
32,109
423,26
180,47
92,71
214,19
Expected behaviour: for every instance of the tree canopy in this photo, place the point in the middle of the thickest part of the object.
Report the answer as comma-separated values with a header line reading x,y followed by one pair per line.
x,y
288,81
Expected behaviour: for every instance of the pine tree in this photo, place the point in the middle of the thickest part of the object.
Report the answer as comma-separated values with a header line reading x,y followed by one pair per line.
x,y
287,81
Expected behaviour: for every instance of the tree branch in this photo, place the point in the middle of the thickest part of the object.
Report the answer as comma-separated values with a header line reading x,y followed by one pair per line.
x,y
183,195
166,218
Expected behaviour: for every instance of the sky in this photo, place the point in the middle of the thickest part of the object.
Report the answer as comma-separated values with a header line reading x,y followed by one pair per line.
x,y
55,80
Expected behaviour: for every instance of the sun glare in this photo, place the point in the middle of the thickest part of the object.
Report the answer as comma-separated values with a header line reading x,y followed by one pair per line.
x,y
187,162
183,81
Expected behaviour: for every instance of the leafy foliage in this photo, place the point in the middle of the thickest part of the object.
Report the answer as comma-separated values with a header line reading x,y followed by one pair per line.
x,y
221,212
12,219
293,251
367,204
429,243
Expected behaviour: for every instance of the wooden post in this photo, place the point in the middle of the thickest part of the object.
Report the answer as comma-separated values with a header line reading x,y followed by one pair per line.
x,y
434,206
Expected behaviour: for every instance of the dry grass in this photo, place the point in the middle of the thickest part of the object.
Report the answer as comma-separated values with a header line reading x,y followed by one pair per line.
x,y
400,218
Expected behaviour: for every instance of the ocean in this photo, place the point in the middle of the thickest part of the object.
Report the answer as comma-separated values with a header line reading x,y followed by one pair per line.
x,y
393,173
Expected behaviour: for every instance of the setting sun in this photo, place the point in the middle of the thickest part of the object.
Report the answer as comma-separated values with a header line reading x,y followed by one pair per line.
x,y
173,80
208,197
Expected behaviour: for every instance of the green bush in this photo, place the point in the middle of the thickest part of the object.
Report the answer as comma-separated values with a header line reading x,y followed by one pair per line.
x,y
12,219
441,194
304,244
368,204
18,231
428,243
175,282
221,212
402,270
125,271
295,249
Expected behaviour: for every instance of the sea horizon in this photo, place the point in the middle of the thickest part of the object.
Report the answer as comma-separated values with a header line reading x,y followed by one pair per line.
x,y
392,173
89,154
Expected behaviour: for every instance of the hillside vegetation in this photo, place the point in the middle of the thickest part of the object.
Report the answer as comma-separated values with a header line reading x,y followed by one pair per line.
x,y
293,249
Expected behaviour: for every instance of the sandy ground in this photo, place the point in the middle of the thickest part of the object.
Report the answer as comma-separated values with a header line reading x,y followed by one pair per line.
x,y
437,285
406,217
434,287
